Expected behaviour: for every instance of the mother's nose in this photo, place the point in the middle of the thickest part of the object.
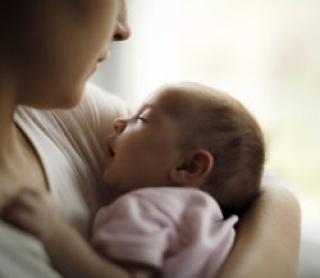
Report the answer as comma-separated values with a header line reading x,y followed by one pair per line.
x,y
122,30
119,125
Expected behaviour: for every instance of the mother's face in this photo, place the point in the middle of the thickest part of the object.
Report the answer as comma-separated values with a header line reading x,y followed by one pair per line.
x,y
57,45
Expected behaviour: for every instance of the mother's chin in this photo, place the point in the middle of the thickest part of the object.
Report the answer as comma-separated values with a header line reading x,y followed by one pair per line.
x,y
55,96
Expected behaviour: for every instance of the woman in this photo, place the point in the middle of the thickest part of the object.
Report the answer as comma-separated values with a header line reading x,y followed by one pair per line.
x,y
48,50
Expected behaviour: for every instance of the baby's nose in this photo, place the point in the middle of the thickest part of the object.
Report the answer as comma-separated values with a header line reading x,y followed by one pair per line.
x,y
119,125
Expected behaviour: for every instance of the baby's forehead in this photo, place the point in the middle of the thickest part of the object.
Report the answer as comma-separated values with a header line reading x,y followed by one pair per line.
x,y
186,99
171,97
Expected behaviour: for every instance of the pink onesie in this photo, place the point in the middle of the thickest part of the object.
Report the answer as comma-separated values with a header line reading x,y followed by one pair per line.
x,y
180,231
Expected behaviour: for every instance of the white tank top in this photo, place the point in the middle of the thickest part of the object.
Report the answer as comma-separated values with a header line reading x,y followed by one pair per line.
x,y
70,144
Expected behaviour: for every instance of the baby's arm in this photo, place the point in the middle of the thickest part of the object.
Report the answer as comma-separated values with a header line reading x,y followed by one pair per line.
x,y
68,251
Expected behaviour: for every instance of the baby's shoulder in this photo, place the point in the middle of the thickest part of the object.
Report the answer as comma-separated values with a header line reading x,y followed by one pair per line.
x,y
172,202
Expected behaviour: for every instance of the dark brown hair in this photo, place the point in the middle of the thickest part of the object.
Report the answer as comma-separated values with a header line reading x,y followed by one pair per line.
x,y
223,126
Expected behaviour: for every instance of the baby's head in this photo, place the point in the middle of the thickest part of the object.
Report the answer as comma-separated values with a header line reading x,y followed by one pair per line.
x,y
189,135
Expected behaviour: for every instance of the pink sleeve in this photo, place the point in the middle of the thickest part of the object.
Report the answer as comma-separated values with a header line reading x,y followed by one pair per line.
x,y
132,229
178,230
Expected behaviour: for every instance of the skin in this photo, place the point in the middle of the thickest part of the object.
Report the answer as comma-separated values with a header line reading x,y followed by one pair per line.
x,y
70,66
149,135
144,145
145,149
69,253
81,261
278,252
63,83
80,34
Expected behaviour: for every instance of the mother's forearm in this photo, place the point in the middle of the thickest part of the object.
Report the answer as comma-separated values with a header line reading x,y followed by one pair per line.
x,y
73,257
268,237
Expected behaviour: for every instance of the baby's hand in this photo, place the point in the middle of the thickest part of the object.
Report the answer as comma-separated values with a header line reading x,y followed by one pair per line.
x,y
34,212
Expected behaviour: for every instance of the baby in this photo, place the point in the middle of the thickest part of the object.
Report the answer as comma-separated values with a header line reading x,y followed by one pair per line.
x,y
187,161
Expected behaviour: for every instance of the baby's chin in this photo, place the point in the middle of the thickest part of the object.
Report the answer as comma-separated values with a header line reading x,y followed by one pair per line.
x,y
112,187
105,175
108,176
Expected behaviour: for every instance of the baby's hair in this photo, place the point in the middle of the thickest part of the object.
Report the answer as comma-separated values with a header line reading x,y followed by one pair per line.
x,y
223,126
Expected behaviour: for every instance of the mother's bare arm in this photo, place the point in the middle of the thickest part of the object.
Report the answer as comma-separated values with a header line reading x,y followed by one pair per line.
x,y
70,254
268,237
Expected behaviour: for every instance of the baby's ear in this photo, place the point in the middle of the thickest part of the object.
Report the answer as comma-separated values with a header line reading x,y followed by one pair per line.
x,y
192,169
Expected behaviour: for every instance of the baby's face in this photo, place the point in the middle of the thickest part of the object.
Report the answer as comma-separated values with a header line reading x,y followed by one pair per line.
x,y
144,147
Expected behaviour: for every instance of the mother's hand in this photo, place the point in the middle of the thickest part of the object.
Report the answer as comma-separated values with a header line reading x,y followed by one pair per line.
x,y
34,212
268,237
7,194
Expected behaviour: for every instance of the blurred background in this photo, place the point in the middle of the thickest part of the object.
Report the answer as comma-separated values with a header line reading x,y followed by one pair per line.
x,y
266,53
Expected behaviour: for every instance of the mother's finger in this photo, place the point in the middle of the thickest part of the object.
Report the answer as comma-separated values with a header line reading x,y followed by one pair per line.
x,y
6,197
21,219
26,198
